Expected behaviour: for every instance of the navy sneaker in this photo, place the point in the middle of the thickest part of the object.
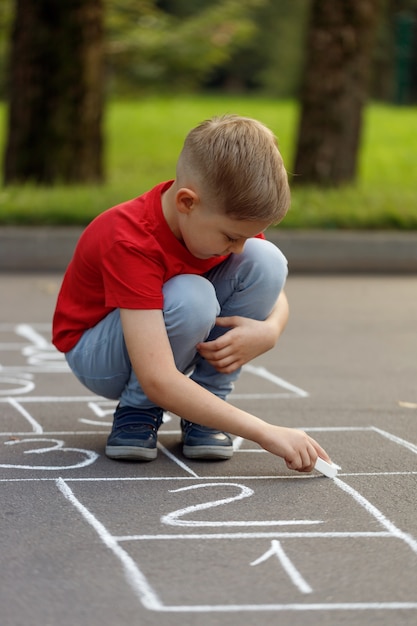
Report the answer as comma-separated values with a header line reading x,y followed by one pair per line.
x,y
134,434
201,442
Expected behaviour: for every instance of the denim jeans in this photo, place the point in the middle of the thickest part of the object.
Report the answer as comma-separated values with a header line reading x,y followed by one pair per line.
x,y
246,284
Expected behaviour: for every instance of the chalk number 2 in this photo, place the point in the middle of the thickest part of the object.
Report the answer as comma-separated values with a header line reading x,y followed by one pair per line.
x,y
177,517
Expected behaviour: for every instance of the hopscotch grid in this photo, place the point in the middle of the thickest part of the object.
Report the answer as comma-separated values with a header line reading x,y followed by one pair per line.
x,y
135,577
150,600
393,438
391,532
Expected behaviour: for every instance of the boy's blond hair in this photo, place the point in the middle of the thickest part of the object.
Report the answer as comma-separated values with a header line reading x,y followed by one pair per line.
x,y
236,163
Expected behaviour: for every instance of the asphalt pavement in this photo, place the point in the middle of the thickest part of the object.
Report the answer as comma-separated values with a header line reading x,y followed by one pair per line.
x,y
95,542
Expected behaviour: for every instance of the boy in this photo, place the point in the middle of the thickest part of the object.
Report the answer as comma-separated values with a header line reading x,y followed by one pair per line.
x,y
169,294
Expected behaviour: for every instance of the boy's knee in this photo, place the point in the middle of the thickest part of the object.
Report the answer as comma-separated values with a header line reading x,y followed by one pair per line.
x,y
190,302
268,261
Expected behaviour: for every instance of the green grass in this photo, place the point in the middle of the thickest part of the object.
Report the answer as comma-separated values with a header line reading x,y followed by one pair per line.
x,y
144,137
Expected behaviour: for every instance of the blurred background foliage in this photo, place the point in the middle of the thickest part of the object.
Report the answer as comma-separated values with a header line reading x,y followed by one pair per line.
x,y
171,63
241,46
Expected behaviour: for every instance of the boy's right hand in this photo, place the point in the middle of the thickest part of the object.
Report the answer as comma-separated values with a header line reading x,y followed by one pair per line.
x,y
299,450
150,353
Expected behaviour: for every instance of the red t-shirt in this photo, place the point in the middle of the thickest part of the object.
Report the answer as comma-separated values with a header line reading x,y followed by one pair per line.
x,y
122,260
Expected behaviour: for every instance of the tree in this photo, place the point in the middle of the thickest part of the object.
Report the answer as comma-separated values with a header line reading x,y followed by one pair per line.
x,y
56,79
174,45
55,92
335,89
271,59
6,15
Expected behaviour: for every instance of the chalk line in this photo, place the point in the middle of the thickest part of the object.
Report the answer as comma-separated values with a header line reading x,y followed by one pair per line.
x,y
402,442
28,332
134,576
176,460
260,535
36,427
262,372
377,514
288,566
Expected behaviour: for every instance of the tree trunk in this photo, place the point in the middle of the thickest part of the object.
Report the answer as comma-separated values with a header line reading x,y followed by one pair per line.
x,y
335,87
56,93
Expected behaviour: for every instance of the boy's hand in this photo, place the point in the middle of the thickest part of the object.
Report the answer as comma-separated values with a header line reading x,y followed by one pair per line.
x,y
150,353
299,450
246,339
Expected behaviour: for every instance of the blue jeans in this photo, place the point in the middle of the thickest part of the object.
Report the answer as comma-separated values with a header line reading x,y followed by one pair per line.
x,y
247,284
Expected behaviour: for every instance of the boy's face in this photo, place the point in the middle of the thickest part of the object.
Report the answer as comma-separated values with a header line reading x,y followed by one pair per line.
x,y
207,233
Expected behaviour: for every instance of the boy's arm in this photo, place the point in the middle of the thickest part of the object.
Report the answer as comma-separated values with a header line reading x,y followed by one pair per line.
x,y
153,363
246,338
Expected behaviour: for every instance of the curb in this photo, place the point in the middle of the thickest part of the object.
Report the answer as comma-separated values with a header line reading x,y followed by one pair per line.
x,y
355,252
49,249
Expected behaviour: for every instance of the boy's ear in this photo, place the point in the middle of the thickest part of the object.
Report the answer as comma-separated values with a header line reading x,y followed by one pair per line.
x,y
186,200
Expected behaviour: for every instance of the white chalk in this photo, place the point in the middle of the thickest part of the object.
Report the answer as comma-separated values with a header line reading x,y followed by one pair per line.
x,y
328,469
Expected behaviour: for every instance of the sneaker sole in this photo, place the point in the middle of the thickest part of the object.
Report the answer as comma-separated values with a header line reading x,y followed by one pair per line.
x,y
207,452
131,453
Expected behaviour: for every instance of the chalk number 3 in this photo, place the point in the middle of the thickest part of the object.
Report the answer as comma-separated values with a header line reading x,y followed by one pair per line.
x,y
54,445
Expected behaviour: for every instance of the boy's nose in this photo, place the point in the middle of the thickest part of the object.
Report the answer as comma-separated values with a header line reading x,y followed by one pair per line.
x,y
238,246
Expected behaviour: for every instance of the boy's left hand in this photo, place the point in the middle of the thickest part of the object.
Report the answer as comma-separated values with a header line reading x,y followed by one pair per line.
x,y
246,339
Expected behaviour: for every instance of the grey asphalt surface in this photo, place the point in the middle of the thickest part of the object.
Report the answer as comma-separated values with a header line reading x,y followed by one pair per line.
x,y
90,541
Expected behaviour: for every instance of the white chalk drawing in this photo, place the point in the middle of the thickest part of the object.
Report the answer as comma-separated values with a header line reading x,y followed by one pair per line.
x,y
151,600
276,550
205,519
53,446
10,386
175,518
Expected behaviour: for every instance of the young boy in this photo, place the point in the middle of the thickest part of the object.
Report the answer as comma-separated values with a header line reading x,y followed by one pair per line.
x,y
169,294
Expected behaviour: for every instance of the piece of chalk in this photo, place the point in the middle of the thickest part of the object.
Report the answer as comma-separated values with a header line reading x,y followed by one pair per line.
x,y
328,469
